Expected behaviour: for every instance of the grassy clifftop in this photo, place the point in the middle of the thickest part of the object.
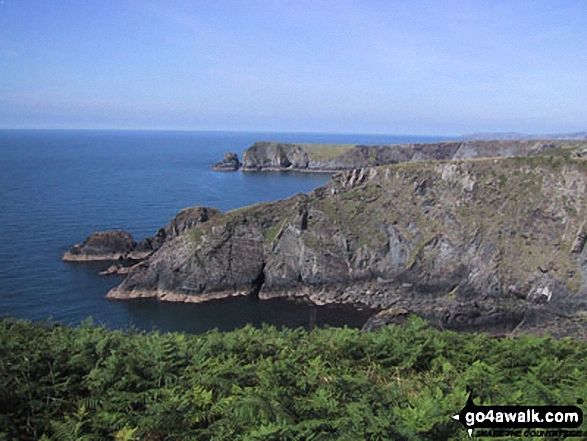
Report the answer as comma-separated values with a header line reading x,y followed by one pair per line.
x,y
322,152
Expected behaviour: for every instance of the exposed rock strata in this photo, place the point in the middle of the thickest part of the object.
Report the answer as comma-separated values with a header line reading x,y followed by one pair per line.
x,y
471,245
303,157
269,155
117,270
183,221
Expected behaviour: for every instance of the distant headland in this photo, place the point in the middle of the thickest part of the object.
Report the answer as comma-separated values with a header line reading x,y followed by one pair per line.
x,y
274,156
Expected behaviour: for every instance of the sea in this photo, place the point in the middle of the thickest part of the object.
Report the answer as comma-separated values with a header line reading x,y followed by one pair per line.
x,y
59,186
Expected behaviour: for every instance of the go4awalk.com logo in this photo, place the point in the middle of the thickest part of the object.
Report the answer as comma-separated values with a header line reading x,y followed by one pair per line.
x,y
521,421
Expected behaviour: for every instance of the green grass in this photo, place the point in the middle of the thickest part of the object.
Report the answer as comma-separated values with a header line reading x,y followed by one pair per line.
x,y
323,152
195,235
414,253
240,210
272,232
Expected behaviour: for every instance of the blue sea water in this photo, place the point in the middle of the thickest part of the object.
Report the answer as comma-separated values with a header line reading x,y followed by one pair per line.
x,y
58,186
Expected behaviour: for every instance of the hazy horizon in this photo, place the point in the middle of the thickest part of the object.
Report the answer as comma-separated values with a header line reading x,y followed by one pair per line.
x,y
373,67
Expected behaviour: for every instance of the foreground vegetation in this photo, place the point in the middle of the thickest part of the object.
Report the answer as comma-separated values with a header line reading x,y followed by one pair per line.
x,y
256,384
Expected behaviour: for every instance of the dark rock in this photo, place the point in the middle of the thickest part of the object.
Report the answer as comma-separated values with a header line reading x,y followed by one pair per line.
x,y
107,245
120,246
229,163
392,316
477,316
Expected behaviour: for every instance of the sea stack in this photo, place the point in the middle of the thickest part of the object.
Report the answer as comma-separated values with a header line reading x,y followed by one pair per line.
x,y
229,163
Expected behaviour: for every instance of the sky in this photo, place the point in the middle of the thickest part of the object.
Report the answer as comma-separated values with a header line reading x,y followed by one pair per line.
x,y
346,66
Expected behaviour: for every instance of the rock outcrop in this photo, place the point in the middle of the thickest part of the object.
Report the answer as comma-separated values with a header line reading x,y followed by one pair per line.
x,y
119,245
183,221
116,270
275,156
229,163
469,244
101,246
312,157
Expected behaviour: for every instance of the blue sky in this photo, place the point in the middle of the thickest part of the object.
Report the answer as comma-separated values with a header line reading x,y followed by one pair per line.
x,y
404,67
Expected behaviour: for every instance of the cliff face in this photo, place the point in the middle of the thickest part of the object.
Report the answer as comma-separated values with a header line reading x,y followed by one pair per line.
x,y
312,157
268,155
467,244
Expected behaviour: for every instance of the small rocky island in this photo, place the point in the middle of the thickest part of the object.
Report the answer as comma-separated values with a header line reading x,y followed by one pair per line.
x,y
229,163
475,243
108,245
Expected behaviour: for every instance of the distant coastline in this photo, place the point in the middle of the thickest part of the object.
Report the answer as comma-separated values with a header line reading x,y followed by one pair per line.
x,y
330,158
514,136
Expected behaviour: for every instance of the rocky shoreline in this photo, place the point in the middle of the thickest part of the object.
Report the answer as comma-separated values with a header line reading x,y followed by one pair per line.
x,y
491,245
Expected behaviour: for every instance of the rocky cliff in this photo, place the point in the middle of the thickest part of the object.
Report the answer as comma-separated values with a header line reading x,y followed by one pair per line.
x,y
329,157
469,244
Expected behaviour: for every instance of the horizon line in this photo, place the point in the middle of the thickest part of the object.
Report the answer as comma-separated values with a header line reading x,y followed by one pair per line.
x,y
224,130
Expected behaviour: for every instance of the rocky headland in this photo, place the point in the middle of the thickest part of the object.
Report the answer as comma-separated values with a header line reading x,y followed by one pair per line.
x,y
119,246
492,244
272,156
479,245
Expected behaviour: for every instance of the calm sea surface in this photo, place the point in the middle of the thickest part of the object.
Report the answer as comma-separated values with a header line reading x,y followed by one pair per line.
x,y
57,187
